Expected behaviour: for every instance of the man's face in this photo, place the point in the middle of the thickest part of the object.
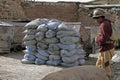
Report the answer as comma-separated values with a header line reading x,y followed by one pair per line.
x,y
98,19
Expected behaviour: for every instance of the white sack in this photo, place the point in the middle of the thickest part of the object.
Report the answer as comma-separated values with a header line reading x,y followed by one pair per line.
x,y
53,47
28,37
67,47
54,52
41,45
42,28
29,52
33,24
38,55
116,57
39,61
51,40
43,53
69,40
24,61
54,57
64,27
39,36
29,57
31,48
50,34
70,59
61,34
30,31
53,25
30,42
53,62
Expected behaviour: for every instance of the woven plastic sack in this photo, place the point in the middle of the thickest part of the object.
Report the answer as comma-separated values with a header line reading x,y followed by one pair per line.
x,y
55,20
38,55
30,31
39,36
65,53
71,59
80,51
54,52
64,27
53,25
70,53
29,57
67,47
61,34
44,21
42,28
54,57
29,52
24,61
53,62
53,47
28,37
41,46
33,24
39,61
116,58
31,48
51,40
50,34
69,40
81,61
30,42
43,53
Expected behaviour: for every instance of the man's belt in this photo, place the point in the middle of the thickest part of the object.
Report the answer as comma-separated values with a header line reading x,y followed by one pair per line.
x,y
109,42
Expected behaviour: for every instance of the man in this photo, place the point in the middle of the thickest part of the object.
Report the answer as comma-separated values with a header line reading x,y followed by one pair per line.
x,y
106,45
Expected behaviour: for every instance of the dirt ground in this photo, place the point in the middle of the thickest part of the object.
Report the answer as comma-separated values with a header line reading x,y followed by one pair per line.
x,y
11,68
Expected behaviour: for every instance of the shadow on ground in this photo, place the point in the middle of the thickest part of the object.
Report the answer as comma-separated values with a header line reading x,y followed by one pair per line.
x,y
91,61
15,55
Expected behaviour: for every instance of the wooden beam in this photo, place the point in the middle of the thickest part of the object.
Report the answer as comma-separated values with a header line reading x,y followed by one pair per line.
x,y
102,6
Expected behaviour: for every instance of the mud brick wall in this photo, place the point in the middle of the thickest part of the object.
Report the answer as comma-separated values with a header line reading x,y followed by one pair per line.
x,y
11,10
61,11
18,34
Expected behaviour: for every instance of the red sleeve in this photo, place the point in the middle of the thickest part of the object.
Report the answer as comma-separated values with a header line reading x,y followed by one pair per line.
x,y
104,33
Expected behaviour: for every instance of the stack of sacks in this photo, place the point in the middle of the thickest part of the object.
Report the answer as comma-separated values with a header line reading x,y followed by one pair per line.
x,y
30,40
71,51
53,43
46,42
